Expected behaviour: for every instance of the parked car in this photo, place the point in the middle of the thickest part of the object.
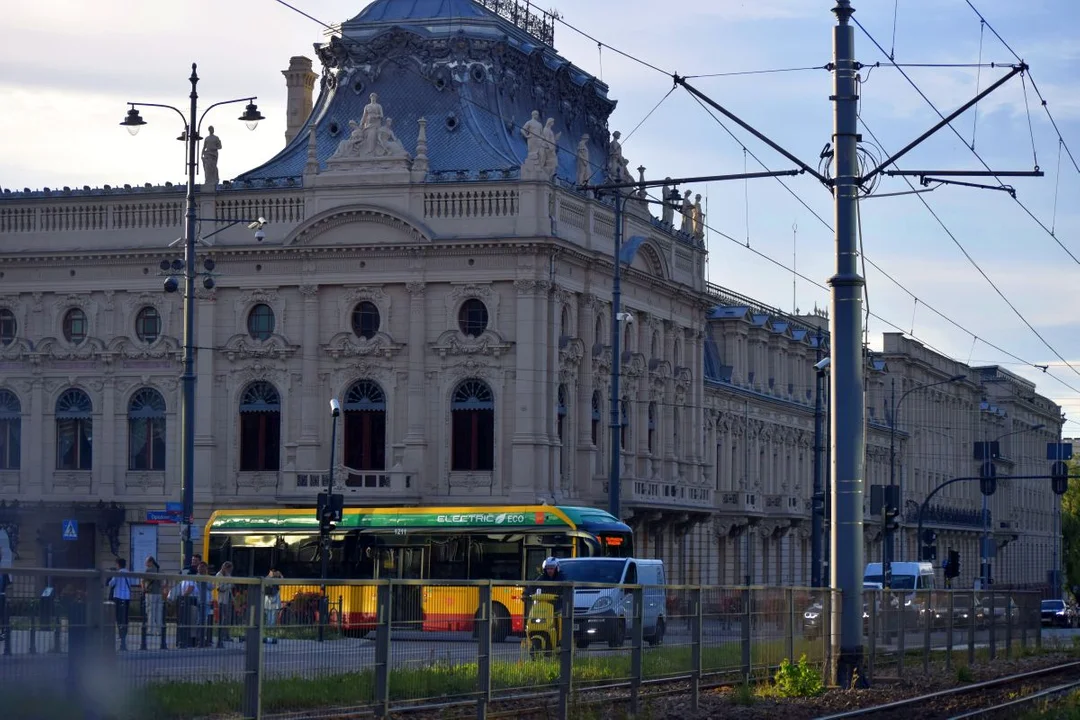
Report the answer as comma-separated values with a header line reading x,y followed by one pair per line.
x,y
1058,613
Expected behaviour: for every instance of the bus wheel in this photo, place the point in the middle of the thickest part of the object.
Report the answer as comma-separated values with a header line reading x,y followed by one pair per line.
x,y
500,623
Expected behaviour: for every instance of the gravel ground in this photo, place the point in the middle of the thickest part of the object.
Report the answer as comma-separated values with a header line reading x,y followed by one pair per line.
x,y
722,702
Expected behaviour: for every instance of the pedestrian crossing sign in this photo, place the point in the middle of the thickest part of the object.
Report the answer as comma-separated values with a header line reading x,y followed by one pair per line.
x,y
71,529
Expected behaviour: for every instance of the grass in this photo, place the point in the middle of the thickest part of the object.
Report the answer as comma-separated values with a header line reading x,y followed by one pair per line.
x,y
438,681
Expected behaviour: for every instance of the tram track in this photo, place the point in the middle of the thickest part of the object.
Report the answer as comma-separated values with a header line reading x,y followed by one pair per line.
x,y
990,698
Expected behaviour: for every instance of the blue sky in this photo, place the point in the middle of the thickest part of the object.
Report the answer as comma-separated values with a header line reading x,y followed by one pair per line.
x,y
70,66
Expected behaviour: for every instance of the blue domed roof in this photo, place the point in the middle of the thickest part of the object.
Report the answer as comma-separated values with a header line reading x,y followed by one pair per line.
x,y
475,76
399,10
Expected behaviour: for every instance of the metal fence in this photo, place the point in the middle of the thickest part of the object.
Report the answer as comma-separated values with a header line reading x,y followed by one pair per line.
x,y
182,646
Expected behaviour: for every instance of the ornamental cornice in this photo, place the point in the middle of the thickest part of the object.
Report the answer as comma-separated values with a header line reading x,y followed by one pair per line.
x,y
349,345
242,347
489,342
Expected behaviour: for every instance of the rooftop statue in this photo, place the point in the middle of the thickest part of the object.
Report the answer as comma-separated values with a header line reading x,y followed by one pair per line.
x,y
372,138
211,147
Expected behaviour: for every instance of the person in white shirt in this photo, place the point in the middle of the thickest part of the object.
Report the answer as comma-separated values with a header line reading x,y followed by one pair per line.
x,y
121,595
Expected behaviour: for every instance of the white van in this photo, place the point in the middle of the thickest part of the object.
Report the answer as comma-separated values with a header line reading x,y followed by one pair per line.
x,y
907,578
607,613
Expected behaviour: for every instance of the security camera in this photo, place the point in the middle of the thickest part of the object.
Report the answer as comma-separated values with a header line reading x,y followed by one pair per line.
x,y
625,317
260,235
171,284
335,407
822,365
257,225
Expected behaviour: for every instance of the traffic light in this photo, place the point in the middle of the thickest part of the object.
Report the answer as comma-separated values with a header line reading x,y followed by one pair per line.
x,y
1059,477
952,565
328,511
988,478
929,553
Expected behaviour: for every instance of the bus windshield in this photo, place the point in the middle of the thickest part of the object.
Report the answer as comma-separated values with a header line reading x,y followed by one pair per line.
x,y
601,570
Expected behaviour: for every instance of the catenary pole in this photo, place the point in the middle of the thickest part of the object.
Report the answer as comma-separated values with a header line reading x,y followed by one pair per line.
x,y
187,398
846,394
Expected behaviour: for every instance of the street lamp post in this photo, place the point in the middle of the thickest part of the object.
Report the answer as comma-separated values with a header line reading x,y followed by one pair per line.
x,y
133,121
887,549
984,548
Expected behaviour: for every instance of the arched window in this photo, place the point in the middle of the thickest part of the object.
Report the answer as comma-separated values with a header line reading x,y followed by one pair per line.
x,y
10,430
624,423
365,429
366,320
9,327
260,427
473,318
146,430
148,324
472,412
74,431
596,402
652,427
260,322
74,326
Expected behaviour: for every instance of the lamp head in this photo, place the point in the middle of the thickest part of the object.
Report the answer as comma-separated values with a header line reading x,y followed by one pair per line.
x,y
957,378
335,407
823,364
133,121
251,116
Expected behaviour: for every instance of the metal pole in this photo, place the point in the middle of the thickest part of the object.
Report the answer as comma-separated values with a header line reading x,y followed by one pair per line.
x,y
187,399
817,519
614,500
887,540
846,395
983,559
329,494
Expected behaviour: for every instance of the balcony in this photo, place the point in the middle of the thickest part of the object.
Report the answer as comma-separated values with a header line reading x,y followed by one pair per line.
x,y
669,494
358,486
937,516
742,503
786,506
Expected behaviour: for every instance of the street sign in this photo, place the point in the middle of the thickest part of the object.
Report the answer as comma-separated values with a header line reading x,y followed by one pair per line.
x,y
1059,451
173,507
71,530
162,517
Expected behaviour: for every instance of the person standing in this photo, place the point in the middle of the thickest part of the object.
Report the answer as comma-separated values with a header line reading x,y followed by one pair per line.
x,y
152,599
272,605
225,603
121,594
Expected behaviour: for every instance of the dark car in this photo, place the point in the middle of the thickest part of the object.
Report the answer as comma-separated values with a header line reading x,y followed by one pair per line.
x,y
1058,613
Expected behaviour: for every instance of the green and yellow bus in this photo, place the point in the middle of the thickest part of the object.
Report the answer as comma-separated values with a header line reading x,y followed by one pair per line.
x,y
416,543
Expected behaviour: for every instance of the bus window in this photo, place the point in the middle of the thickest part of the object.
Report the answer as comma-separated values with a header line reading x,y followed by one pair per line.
x,y
449,558
493,560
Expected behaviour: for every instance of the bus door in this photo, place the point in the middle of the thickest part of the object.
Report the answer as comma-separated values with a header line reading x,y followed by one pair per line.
x,y
403,563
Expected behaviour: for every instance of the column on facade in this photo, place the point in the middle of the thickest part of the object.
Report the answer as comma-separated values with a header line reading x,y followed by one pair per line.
x,y
35,449
530,415
586,326
205,318
307,458
697,397
106,442
416,417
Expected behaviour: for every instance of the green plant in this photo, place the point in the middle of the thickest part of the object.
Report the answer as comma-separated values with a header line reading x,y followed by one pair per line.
x,y
963,674
743,694
797,681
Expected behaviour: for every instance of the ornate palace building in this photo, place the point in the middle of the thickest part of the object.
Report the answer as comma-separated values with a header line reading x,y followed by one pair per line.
x,y
429,259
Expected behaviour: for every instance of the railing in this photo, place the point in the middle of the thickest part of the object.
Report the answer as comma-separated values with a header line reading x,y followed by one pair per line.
x,y
471,203
92,214
441,643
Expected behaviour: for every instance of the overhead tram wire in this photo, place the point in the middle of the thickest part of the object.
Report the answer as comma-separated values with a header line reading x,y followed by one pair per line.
x,y
756,252
976,265
973,151
877,267
917,299
613,49
1031,78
